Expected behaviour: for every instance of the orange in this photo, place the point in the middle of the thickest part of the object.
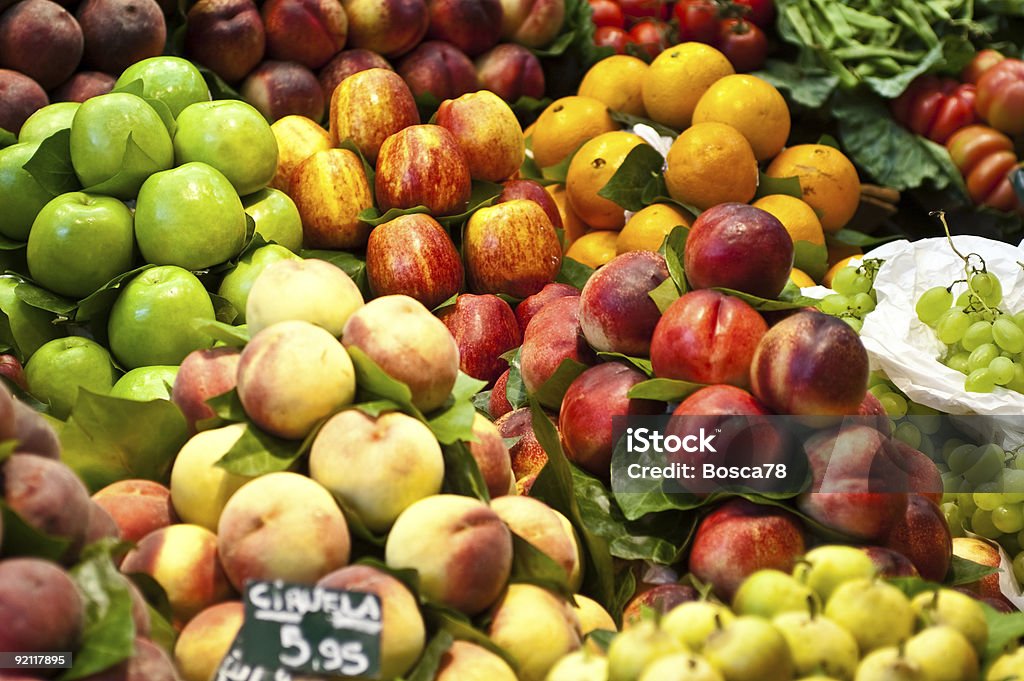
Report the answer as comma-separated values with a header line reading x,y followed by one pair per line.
x,y
591,168
801,278
828,179
803,225
676,80
752,106
574,227
593,248
709,164
565,125
647,229
841,265
616,81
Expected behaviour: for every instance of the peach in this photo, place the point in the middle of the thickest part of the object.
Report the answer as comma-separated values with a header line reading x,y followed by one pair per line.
x,y
138,507
413,255
589,409
533,23
922,535
237,283
20,97
298,138
438,69
83,85
492,457
465,661
488,133
278,89
552,336
330,189
308,32
282,526
511,248
206,640
313,291
199,487
101,525
473,26
48,496
460,548
40,607
531,305
546,529
376,466
484,328
660,599
226,36
409,344
422,165
984,553
149,663
368,126
527,456
33,431
291,375
511,71
592,615
616,310
204,374
536,627
403,636
183,559
42,40
534,191
346,63
388,27
119,33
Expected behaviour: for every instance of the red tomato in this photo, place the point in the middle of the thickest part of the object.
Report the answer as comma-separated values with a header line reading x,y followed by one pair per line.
x,y
607,13
1001,96
986,159
698,21
981,63
650,35
969,145
744,44
936,107
761,12
639,9
611,36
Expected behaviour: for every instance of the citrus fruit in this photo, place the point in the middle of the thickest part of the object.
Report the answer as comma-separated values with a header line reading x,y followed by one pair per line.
x,y
594,248
801,278
828,180
711,163
752,106
565,125
616,81
676,80
804,228
647,228
572,224
591,168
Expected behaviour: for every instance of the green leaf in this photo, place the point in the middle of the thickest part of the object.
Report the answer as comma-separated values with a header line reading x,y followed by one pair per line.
x,y
640,363
462,474
663,390
372,216
429,662
893,87
376,407
963,571
629,120
574,273
374,381
103,442
349,263
461,629
484,194
852,237
466,386
829,141
219,89
109,632
98,303
224,311
1017,180
530,565
1004,631
808,87
233,336
51,165
552,391
789,186
664,294
515,390
22,539
558,173
228,407
556,48
454,422
810,257
257,453
765,305
674,250
136,165
357,526
626,187
40,298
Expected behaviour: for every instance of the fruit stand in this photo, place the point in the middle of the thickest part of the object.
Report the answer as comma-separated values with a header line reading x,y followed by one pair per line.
x,y
536,340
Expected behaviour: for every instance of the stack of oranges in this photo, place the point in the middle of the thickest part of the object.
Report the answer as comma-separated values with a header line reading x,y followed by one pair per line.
x,y
733,127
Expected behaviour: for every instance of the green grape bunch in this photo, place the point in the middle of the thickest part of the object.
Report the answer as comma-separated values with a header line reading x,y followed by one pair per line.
x,y
854,295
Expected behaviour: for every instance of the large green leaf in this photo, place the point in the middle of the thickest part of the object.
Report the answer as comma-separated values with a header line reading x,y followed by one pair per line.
x,y
530,565
551,392
427,666
98,303
51,165
257,452
626,187
462,474
22,539
664,390
574,273
375,383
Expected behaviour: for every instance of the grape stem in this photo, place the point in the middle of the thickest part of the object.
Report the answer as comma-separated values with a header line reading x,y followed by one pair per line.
x,y
968,268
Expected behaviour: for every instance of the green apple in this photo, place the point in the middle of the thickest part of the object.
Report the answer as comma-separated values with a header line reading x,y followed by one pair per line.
x,y
826,567
172,80
100,151
770,592
236,284
189,216
637,647
48,120
20,195
692,622
231,136
875,612
151,321
681,667
30,326
749,649
957,610
818,644
60,367
146,383
79,242
276,217
889,664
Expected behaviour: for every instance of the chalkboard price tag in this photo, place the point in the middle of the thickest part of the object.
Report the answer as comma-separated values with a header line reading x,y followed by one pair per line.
x,y
306,629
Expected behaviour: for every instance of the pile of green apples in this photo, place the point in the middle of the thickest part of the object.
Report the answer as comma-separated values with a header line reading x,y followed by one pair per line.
x,y
117,211
832,619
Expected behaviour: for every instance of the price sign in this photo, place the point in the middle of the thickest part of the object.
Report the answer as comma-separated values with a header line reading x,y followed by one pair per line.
x,y
303,629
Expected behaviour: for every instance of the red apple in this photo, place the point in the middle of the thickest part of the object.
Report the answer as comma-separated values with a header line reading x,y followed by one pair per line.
x,y
12,369
531,305
473,26
369,126
511,71
552,336
438,68
616,310
922,535
498,404
484,328
533,191
422,165
707,337
738,246
488,133
309,32
413,255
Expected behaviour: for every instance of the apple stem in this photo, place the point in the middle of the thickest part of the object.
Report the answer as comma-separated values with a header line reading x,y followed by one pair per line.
x,y
812,606
718,622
